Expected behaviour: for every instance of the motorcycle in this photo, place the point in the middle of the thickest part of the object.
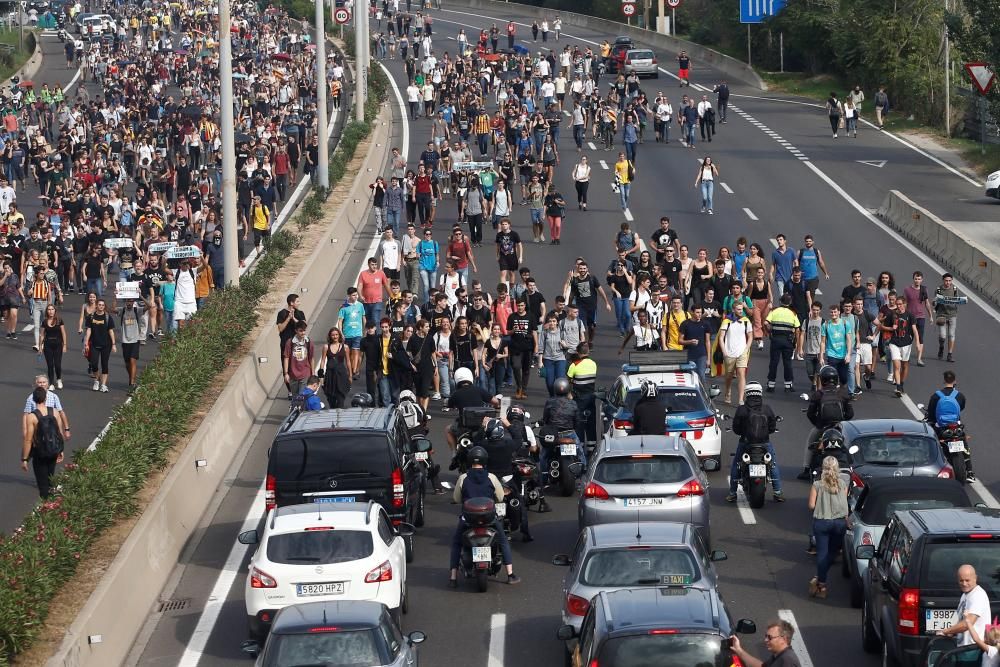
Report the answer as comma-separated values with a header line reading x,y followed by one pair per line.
x,y
470,423
509,511
954,443
563,457
755,472
525,480
481,555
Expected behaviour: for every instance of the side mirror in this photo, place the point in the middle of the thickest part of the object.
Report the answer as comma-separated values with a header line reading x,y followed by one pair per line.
x,y
527,415
710,465
405,530
421,444
566,632
921,407
718,555
416,637
745,626
562,560
714,390
865,552
854,449
248,537
981,506
506,479
251,648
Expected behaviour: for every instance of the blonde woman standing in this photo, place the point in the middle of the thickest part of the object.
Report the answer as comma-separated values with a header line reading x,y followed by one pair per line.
x,y
828,502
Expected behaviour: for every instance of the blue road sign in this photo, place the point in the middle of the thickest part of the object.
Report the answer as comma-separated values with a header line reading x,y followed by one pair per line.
x,y
756,11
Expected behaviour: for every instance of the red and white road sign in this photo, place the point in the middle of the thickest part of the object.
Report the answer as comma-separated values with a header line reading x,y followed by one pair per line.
x,y
628,8
341,16
982,76
673,4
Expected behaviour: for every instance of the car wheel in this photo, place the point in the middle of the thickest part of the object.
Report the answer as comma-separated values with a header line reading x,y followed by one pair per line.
x,y
418,516
869,640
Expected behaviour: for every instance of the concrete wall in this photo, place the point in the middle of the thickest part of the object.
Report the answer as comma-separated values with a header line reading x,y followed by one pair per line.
x,y
974,267
119,606
732,69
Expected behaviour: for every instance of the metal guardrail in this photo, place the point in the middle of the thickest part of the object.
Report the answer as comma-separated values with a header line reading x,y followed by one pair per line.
x,y
973,125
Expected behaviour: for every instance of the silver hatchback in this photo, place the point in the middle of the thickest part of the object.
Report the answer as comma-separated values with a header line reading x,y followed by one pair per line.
x,y
646,478
642,62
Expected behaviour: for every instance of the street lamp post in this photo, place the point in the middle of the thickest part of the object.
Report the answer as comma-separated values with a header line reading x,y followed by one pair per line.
x,y
230,236
360,51
323,163
947,76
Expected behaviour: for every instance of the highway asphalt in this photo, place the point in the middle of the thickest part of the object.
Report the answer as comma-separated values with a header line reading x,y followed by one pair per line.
x,y
768,189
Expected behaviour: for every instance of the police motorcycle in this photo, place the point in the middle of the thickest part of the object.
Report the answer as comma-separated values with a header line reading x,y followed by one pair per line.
x,y
525,479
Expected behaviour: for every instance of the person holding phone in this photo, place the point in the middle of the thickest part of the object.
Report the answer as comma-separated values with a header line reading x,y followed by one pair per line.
x,y
778,640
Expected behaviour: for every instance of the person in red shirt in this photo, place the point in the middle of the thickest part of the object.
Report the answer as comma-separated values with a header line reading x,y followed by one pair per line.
x,y
372,284
281,166
423,196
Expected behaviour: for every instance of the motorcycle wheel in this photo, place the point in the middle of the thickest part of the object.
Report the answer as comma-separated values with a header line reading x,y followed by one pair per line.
x,y
755,494
958,463
482,580
567,483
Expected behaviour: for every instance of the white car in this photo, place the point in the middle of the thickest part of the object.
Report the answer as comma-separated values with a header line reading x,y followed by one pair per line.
x,y
324,552
993,185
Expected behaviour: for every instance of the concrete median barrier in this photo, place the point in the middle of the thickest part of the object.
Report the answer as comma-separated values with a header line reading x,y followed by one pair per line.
x,y
118,608
701,56
978,268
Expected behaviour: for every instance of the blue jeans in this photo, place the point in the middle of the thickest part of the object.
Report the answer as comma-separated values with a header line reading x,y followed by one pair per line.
x,y
428,279
622,314
689,133
95,285
701,366
829,538
852,367
456,543
444,378
841,366
630,151
707,191
734,469
624,190
392,218
373,312
554,369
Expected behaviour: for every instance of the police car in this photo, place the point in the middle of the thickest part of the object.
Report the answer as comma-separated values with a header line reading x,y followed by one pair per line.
x,y
690,412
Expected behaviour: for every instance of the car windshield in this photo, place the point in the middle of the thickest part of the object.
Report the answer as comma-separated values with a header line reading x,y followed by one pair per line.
x,y
941,562
665,650
608,568
683,399
642,469
319,547
355,648
338,454
900,450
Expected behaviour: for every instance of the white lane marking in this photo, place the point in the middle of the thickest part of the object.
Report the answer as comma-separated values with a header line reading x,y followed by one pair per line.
x,y
401,104
591,146
774,242
29,327
743,505
977,485
498,628
750,214
726,188
93,443
567,114
642,245
604,165
819,292
628,215
798,643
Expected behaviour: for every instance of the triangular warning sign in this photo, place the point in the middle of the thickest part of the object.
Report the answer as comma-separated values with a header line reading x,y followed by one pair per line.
x,y
982,76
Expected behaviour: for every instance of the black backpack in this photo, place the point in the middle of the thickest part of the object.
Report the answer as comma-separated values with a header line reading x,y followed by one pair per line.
x,y
48,440
831,408
758,430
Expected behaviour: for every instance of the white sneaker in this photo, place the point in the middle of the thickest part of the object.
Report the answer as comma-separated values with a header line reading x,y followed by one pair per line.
x,y
710,212
436,397
104,388
890,378
59,384
97,385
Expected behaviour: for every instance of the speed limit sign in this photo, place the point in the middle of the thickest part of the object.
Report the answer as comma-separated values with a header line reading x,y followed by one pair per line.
x,y
628,8
673,4
341,16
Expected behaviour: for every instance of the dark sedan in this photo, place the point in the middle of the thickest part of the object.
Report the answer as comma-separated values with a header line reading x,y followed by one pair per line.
x,y
894,448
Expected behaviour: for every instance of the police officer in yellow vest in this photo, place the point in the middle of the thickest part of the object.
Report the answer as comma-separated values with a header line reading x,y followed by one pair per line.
x,y
582,373
781,325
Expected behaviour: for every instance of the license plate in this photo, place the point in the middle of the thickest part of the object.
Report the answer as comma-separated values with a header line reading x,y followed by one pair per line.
x,y
567,450
329,588
420,456
939,619
643,502
482,554
758,470
335,499
501,509
955,446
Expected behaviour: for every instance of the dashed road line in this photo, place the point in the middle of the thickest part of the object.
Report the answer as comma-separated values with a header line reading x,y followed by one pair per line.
x,y
591,146
604,165
726,187
746,514
498,628
750,214
628,215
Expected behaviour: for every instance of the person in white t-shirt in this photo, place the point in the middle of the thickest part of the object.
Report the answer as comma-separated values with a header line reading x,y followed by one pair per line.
x,y
973,608
735,334
390,255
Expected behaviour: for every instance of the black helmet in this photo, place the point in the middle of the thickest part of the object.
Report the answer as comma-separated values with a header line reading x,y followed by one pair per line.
x,y
832,438
516,413
362,400
828,376
494,429
477,456
561,387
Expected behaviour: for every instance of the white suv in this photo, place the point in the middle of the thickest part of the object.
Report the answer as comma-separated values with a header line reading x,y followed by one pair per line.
x,y
324,551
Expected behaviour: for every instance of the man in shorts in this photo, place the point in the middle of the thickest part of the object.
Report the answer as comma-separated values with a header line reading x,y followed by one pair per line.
x,y
735,337
683,67
350,321
867,338
898,324
130,321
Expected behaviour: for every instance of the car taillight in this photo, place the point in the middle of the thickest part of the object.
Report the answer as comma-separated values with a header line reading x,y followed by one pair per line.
x,y
576,605
866,538
692,488
312,528
270,485
663,631
261,579
980,536
909,611
595,491
654,61
593,663
397,487
325,628
947,472
381,573
623,424
704,422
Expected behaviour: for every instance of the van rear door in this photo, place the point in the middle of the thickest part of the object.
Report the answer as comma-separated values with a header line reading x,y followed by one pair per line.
x,y
332,467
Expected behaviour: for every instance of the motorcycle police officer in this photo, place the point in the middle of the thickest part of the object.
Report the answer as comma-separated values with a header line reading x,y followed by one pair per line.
x,y
650,413
828,406
478,483
466,395
560,413
583,375
945,407
753,402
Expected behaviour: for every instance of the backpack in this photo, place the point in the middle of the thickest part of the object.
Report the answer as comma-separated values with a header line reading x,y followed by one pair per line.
x,y
757,430
48,440
831,408
947,410
412,414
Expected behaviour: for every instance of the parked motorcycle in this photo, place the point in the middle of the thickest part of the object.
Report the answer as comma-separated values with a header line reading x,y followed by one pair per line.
x,y
481,555
954,443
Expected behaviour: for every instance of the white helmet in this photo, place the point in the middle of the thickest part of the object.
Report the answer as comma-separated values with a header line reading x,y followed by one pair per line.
x,y
648,389
407,395
753,389
463,376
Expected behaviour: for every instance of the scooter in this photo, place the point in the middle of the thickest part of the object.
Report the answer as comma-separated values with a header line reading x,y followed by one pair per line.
x,y
954,443
481,555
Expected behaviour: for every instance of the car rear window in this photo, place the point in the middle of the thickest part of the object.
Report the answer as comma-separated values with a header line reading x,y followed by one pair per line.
x,y
609,568
941,563
653,649
641,55
344,454
322,547
905,450
685,399
878,510
355,648
642,469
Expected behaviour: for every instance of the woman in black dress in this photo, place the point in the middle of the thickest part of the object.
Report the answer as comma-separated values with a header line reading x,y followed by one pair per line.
x,y
336,378
53,345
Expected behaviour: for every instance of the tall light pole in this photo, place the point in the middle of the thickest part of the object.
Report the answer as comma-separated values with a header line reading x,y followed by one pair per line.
x,y
230,237
947,75
323,163
360,51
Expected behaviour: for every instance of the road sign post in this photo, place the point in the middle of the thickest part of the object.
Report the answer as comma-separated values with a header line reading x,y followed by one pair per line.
x,y
673,4
628,9
982,77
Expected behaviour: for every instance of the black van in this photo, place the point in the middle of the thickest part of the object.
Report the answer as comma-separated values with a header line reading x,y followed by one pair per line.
x,y
348,455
